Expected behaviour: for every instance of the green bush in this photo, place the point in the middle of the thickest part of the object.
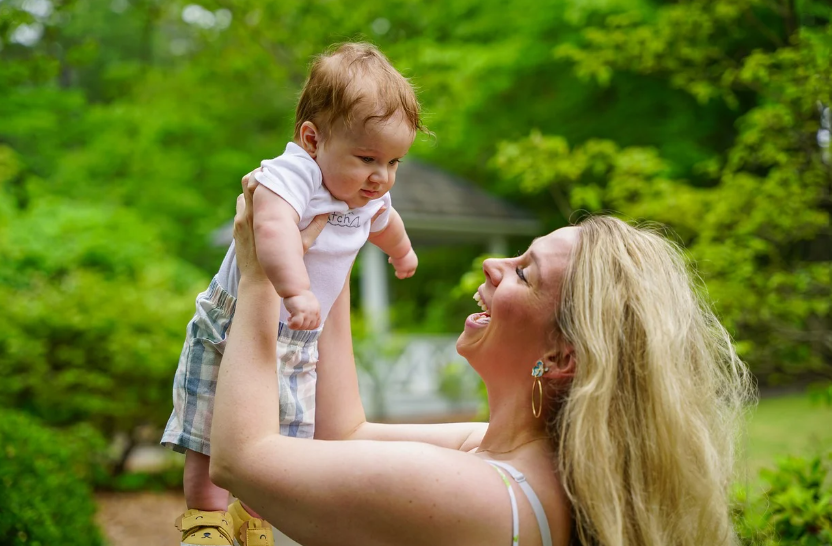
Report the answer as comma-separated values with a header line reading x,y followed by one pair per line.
x,y
795,509
93,328
45,476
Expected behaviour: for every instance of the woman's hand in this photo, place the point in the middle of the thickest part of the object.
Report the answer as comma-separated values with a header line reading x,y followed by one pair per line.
x,y
244,230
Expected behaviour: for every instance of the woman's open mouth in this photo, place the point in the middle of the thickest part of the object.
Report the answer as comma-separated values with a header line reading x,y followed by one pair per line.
x,y
479,320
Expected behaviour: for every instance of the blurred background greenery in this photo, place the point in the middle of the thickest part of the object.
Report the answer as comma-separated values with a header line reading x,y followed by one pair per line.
x,y
125,126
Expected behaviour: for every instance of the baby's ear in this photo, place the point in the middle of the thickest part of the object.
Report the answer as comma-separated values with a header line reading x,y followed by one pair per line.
x,y
310,138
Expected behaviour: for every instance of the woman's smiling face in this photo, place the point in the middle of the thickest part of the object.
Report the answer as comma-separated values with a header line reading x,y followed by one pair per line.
x,y
519,298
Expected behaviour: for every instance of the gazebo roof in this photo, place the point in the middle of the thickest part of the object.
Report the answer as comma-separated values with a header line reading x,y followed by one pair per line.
x,y
437,206
434,202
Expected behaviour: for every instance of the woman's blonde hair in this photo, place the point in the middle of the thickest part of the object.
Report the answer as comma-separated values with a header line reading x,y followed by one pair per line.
x,y
645,433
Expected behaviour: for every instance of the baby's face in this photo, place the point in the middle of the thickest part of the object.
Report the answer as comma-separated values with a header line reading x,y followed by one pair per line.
x,y
359,163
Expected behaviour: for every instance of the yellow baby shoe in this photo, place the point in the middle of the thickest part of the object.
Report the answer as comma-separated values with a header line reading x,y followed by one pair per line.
x,y
206,528
256,533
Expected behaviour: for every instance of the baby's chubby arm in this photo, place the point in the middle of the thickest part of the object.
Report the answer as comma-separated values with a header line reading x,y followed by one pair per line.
x,y
280,252
393,240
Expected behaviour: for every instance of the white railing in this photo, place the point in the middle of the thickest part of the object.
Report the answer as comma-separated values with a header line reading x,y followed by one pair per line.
x,y
422,379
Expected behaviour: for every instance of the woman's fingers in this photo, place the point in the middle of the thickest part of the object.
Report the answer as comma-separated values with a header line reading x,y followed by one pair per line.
x,y
379,213
308,235
241,206
249,178
244,200
244,228
249,185
240,216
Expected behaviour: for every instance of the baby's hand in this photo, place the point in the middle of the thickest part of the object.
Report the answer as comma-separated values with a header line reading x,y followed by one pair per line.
x,y
406,265
304,311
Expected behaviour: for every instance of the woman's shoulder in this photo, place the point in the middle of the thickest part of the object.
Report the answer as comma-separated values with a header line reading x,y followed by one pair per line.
x,y
538,469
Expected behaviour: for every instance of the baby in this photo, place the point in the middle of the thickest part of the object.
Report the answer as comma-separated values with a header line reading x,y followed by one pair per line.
x,y
356,118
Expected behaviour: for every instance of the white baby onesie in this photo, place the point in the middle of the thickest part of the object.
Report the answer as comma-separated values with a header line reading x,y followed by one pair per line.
x,y
296,177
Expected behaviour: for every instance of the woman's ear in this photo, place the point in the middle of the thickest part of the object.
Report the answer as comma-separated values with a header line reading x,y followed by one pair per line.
x,y
310,138
561,363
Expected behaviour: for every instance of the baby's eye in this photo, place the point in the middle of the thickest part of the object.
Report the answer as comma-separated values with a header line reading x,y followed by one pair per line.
x,y
394,161
367,159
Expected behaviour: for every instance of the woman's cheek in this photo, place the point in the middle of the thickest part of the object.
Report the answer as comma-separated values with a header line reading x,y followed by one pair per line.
x,y
506,307
518,311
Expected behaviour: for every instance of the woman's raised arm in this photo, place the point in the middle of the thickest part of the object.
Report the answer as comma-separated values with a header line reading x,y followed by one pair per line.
x,y
339,413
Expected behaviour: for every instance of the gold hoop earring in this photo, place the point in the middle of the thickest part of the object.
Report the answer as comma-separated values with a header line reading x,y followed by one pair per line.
x,y
537,372
537,410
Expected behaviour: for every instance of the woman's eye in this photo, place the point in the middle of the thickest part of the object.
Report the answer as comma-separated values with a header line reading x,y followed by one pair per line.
x,y
522,275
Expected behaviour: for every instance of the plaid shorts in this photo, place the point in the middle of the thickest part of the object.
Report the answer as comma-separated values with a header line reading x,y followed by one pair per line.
x,y
195,381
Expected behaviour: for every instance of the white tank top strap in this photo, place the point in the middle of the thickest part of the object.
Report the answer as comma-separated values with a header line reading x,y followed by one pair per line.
x,y
515,518
539,513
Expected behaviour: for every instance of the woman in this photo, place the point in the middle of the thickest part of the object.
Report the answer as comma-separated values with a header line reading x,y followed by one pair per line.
x,y
613,391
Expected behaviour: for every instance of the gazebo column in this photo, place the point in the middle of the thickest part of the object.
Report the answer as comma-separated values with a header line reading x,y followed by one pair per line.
x,y
498,245
374,298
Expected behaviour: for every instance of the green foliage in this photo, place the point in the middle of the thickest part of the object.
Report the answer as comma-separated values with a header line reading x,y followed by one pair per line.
x,y
796,508
428,302
95,312
439,305
756,214
47,498
166,480
821,394
473,278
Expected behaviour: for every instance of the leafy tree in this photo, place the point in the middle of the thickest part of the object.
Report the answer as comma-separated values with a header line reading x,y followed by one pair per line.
x,y
758,226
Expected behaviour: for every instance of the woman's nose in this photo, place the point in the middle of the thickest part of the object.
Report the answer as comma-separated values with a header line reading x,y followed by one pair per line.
x,y
493,271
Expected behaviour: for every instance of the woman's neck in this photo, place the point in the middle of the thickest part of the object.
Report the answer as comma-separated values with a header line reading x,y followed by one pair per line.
x,y
511,424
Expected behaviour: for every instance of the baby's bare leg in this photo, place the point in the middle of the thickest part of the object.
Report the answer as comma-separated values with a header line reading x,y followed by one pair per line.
x,y
200,491
251,512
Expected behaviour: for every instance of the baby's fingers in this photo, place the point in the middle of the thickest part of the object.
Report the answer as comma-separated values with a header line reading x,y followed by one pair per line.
x,y
295,322
304,321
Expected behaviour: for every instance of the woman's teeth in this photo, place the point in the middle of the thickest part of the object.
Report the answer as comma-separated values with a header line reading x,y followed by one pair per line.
x,y
481,303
